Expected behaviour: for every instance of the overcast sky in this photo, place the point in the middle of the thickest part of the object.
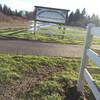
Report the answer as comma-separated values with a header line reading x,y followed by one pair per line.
x,y
92,6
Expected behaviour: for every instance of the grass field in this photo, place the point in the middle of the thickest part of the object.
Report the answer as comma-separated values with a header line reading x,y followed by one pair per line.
x,y
72,35
40,78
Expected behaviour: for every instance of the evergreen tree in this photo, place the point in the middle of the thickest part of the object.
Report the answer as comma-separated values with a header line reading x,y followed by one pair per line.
x,y
9,12
5,9
77,15
95,20
71,18
15,13
0,7
83,13
20,13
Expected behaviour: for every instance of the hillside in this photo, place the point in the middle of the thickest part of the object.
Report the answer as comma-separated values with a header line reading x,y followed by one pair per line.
x,y
12,21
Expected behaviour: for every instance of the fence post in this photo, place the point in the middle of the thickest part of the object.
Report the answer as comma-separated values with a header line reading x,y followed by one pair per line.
x,y
35,27
84,59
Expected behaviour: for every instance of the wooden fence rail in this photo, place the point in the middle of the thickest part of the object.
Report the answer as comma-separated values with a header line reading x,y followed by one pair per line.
x,y
84,74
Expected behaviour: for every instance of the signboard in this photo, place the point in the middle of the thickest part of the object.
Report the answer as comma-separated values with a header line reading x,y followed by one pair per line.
x,y
51,15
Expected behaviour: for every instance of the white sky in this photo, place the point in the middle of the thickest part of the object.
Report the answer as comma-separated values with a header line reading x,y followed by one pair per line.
x,y
92,6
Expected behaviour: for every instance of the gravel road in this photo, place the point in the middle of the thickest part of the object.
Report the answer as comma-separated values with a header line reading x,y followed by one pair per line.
x,y
40,48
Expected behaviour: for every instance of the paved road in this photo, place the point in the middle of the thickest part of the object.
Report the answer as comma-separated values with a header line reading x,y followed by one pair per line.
x,y
38,48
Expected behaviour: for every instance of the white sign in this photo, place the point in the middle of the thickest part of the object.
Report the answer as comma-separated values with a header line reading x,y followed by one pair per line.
x,y
52,15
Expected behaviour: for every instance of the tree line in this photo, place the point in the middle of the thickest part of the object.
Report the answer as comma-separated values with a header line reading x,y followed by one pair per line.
x,y
7,11
81,18
77,18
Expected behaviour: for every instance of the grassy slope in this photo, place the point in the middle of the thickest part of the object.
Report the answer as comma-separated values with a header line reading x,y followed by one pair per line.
x,y
74,35
39,78
12,21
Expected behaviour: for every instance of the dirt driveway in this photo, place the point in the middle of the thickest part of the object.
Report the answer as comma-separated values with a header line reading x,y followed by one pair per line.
x,y
38,48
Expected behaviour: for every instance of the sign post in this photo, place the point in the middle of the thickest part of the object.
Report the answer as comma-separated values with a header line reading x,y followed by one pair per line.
x,y
50,15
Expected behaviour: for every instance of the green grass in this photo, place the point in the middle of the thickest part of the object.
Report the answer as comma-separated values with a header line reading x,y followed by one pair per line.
x,y
75,35
13,69
15,66
56,86
9,30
